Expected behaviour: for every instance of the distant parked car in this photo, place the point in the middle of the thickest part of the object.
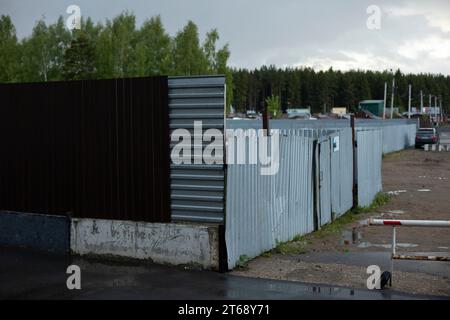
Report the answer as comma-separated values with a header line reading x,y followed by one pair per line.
x,y
426,136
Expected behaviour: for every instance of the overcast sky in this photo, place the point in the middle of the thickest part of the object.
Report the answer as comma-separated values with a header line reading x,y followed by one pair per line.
x,y
414,34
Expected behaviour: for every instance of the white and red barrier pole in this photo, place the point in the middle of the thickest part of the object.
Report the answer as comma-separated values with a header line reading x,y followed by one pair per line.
x,y
410,223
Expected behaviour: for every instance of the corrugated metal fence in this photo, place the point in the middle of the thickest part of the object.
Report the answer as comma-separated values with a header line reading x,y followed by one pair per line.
x,y
197,188
396,138
342,173
369,155
398,134
264,210
96,149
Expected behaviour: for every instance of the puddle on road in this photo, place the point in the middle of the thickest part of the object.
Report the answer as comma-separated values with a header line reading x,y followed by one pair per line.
x,y
354,237
351,237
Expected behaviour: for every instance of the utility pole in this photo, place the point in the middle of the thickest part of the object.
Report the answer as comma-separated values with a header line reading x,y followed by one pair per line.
x,y
429,110
421,101
435,109
392,99
385,101
409,102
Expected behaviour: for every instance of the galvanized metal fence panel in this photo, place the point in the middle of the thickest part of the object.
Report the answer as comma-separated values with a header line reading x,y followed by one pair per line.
x,y
341,160
252,198
396,138
398,134
197,191
342,173
264,210
369,157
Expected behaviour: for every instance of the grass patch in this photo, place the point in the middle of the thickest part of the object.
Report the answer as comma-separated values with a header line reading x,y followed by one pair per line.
x,y
243,262
337,225
381,199
392,154
297,246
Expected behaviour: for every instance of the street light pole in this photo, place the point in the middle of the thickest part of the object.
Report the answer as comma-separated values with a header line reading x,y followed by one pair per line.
x,y
421,101
429,111
392,99
385,101
409,102
435,109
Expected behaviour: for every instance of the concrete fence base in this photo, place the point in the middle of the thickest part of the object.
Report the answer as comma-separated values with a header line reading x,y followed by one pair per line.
x,y
175,244
35,231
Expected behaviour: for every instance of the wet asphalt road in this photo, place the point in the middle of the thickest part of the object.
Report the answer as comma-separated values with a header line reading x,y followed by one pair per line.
x,y
31,275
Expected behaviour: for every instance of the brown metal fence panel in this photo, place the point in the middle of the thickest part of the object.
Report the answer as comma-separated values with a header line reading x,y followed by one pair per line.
x,y
94,149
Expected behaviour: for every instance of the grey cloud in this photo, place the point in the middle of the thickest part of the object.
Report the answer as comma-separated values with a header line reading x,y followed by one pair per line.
x,y
284,32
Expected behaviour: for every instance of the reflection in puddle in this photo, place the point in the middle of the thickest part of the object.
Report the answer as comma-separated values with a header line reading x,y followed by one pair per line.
x,y
351,237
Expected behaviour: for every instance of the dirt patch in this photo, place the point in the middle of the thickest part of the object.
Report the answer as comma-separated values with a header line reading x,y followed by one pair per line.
x,y
419,182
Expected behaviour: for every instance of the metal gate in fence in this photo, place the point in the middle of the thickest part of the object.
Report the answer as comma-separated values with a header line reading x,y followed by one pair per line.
x,y
323,183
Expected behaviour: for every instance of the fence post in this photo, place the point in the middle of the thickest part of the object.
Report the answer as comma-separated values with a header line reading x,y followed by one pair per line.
x,y
315,182
394,241
354,146
265,121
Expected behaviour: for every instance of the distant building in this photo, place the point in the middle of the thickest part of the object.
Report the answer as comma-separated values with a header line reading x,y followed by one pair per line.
x,y
373,106
299,113
339,111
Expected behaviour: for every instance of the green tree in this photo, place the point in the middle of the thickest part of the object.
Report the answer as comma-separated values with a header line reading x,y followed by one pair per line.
x,y
188,56
347,93
116,47
43,52
58,41
123,44
104,52
273,106
79,58
153,49
363,88
293,89
210,51
37,54
9,50
240,90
